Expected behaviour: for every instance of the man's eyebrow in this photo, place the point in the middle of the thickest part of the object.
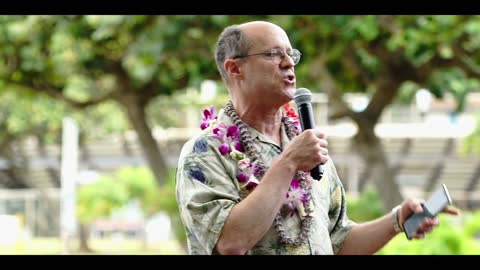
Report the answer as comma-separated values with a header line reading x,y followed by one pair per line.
x,y
276,48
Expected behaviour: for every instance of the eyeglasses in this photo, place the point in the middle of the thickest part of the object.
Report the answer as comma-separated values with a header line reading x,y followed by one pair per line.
x,y
277,55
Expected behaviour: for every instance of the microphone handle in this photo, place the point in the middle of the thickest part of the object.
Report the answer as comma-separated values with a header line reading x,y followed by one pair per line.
x,y
306,120
317,172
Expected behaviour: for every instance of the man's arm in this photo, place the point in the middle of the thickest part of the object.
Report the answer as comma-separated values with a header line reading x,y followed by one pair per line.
x,y
250,219
370,237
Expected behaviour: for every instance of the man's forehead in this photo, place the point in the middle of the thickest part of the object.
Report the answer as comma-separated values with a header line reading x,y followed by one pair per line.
x,y
261,29
262,33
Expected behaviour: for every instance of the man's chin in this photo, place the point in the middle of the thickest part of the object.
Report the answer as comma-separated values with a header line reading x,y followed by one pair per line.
x,y
291,92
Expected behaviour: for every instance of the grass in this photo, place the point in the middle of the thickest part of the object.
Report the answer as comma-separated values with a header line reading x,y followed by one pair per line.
x,y
54,246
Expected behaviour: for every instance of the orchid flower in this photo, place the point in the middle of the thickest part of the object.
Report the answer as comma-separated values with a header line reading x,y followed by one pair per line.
x,y
232,146
295,195
229,138
247,173
208,117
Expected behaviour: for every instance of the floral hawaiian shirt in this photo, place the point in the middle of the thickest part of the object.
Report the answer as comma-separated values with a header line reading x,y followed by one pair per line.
x,y
207,190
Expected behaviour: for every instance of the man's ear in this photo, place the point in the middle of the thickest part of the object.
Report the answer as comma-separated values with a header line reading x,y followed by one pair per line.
x,y
233,68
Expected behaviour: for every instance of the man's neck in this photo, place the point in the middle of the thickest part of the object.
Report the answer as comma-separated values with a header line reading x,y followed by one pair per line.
x,y
266,121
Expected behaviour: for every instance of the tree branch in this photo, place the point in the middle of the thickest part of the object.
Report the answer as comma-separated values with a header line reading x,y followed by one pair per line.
x,y
351,62
461,58
464,60
150,90
57,93
328,84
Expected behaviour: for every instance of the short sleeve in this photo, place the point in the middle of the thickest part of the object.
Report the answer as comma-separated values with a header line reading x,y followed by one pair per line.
x,y
340,224
206,193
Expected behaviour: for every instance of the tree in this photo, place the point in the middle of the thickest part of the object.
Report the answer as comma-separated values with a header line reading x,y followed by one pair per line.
x,y
22,115
471,143
25,115
109,193
153,198
96,200
131,60
378,55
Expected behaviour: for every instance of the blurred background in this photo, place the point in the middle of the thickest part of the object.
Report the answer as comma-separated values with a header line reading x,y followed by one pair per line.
x,y
95,109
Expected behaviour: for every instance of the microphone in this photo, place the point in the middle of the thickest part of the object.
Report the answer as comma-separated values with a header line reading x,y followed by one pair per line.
x,y
303,99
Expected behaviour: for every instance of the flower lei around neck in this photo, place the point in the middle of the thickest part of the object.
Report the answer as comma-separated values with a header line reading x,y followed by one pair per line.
x,y
238,144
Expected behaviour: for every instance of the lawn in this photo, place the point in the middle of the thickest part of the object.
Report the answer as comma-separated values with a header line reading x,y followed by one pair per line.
x,y
53,246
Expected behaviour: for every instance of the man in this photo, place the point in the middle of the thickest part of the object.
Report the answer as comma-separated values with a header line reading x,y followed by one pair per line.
x,y
241,184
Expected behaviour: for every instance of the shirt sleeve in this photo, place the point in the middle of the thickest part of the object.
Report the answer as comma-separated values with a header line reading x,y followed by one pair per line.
x,y
340,224
206,193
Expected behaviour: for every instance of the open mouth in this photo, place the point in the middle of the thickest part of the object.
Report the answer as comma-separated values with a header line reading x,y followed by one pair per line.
x,y
290,78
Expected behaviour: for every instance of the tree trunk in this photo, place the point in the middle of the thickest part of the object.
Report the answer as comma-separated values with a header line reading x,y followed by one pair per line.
x,y
42,151
368,146
136,115
83,238
16,171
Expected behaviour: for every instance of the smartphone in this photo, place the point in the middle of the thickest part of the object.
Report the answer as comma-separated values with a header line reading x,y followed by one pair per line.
x,y
439,200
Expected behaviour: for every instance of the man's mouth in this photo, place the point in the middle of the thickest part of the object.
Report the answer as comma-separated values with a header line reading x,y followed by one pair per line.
x,y
290,78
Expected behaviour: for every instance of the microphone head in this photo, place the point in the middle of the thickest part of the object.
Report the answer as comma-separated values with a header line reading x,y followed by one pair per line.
x,y
302,96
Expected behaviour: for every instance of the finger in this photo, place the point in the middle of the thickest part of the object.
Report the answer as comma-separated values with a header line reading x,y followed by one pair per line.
x,y
416,206
320,134
435,221
323,143
425,228
451,211
324,159
425,225
418,235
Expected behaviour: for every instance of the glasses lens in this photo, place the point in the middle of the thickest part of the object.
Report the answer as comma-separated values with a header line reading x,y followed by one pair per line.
x,y
277,56
295,55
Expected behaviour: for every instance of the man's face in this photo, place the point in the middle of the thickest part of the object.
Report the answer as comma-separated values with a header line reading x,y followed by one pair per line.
x,y
269,74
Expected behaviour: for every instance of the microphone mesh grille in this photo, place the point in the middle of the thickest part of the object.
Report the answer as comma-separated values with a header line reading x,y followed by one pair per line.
x,y
302,95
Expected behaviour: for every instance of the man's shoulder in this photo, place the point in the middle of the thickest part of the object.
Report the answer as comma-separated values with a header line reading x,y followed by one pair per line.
x,y
198,144
203,142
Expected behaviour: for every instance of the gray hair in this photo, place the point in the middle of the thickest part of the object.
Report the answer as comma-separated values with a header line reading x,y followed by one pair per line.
x,y
231,43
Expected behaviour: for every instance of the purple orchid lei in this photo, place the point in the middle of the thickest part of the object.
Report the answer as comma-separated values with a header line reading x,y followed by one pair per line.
x,y
231,146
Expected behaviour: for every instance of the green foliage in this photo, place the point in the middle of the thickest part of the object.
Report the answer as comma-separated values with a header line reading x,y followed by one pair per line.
x,y
21,114
407,92
177,51
358,50
141,59
453,81
364,208
76,53
456,235
167,201
140,183
471,143
102,120
24,113
182,108
100,198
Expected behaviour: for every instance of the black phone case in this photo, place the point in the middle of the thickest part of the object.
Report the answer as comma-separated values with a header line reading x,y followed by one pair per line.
x,y
411,224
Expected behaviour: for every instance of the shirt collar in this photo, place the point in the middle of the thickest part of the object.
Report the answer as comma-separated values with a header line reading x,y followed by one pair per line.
x,y
255,133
